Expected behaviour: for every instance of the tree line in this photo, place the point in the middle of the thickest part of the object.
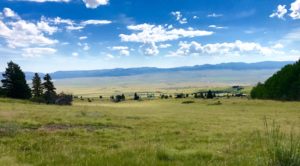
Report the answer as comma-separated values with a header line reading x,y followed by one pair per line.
x,y
283,85
14,85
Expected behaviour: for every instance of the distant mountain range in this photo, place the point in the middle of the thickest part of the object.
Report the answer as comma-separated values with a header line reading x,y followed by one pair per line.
x,y
149,70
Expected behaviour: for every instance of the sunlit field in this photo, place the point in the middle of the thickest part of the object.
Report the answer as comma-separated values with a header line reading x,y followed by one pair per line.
x,y
149,132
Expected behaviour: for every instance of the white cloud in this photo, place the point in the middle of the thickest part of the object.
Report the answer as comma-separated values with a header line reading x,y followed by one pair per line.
x,y
295,10
72,25
75,54
7,12
44,26
123,50
195,17
150,49
86,47
280,13
292,37
216,27
83,37
95,22
119,48
164,45
149,35
59,20
278,46
95,3
37,51
235,48
109,56
214,15
179,17
21,33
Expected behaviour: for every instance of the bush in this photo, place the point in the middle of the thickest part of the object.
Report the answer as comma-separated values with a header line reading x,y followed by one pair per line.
x,y
188,102
136,97
64,99
180,96
117,98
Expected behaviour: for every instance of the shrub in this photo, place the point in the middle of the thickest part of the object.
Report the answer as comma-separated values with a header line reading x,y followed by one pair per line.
x,y
136,97
64,99
281,149
188,102
180,96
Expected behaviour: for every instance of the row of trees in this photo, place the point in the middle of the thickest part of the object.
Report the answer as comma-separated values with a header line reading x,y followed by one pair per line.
x,y
283,85
14,85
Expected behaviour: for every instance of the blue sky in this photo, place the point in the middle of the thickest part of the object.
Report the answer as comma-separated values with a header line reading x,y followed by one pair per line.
x,y
51,35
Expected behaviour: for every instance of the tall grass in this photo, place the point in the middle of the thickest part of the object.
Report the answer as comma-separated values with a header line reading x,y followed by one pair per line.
x,y
281,149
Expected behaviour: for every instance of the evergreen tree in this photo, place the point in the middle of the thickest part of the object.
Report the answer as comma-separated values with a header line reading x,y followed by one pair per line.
x,y
37,89
283,85
49,90
210,95
14,83
136,97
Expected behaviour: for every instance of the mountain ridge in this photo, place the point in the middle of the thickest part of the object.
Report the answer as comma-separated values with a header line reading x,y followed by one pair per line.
x,y
116,72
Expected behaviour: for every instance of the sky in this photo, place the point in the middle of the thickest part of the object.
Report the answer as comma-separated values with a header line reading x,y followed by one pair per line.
x,y
56,35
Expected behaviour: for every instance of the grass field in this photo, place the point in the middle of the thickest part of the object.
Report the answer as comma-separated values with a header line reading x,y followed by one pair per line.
x,y
152,132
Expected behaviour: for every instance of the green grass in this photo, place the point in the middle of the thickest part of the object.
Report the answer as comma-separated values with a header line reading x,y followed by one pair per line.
x,y
150,132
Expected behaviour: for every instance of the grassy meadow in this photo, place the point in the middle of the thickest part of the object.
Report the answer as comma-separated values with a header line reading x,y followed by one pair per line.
x,y
151,132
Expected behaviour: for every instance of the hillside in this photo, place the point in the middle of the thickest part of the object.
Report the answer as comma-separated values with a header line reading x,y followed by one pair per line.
x,y
283,85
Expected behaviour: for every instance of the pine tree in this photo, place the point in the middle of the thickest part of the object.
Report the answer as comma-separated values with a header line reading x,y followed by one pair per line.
x,y
283,85
37,89
210,94
14,83
48,86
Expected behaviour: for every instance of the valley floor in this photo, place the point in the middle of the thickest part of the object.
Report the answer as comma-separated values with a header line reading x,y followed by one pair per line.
x,y
152,132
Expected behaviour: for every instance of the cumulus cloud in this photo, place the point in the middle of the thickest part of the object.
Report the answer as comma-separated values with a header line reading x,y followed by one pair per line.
x,y
149,35
85,46
179,17
7,12
45,27
150,49
21,33
295,10
95,3
234,48
280,13
123,50
38,51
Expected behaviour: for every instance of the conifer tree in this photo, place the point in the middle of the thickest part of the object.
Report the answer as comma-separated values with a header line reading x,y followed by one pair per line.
x,y
49,90
37,89
14,83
